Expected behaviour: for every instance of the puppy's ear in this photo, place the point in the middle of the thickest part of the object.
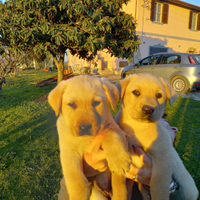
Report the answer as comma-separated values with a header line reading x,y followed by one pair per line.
x,y
55,97
171,93
112,92
122,84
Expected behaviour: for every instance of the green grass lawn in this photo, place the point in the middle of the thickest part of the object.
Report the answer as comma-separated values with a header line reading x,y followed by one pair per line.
x,y
29,154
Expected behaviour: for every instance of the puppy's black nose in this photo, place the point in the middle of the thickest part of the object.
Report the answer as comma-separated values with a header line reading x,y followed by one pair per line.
x,y
85,128
147,110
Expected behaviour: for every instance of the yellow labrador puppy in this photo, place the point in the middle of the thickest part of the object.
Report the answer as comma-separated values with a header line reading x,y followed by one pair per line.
x,y
82,104
143,103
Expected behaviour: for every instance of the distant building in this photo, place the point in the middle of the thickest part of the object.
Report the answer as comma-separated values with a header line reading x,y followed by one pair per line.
x,y
163,26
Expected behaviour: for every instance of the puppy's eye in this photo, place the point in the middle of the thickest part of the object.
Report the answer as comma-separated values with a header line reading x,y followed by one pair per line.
x,y
95,103
72,104
136,93
158,96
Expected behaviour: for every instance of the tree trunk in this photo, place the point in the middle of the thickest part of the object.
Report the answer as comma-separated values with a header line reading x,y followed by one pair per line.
x,y
1,83
60,65
15,71
60,72
132,59
34,65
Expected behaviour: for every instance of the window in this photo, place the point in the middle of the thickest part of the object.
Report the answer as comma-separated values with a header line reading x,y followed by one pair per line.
x,y
151,60
170,59
197,57
157,49
194,21
159,12
123,63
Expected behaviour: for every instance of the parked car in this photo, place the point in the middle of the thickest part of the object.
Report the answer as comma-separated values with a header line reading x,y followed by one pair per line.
x,y
180,70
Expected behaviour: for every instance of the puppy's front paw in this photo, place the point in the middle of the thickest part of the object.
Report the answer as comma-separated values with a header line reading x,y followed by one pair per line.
x,y
119,162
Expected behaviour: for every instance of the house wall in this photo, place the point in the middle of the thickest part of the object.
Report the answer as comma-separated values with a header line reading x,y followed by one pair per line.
x,y
74,61
175,35
106,61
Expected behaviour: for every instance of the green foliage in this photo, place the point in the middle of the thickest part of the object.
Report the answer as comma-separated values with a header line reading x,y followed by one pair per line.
x,y
83,27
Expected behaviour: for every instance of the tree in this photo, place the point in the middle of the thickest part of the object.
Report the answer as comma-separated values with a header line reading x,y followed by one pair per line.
x,y
81,26
8,62
34,58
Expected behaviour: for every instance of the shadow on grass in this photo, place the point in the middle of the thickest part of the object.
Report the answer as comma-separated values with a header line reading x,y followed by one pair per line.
x,y
185,115
29,153
30,165
12,98
31,130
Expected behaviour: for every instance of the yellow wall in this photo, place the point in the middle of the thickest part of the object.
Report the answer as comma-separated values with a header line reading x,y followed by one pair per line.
x,y
74,60
175,35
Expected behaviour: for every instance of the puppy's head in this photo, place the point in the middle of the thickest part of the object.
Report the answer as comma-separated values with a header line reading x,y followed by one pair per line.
x,y
144,96
83,103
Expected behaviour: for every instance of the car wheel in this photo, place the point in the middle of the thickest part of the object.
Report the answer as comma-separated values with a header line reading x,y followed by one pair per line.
x,y
180,84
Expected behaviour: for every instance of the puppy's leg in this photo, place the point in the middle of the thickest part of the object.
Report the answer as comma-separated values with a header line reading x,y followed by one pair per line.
x,y
63,193
160,179
118,187
129,188
182,176
76,183
118,158
119,161
97,195
143,191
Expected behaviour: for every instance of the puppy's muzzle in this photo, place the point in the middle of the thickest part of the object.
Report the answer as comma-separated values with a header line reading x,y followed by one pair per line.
x,y
147,110
85,129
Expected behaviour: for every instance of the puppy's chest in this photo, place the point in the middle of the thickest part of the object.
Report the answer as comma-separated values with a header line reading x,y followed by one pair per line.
x,y
75,144
143,136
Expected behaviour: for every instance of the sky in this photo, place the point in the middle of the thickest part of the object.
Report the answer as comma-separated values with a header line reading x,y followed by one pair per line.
x,y
195,2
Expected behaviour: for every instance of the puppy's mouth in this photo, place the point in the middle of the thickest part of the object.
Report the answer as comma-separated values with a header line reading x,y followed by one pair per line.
x,y
150,119
85,126
88,129
85,129
145,119
147,115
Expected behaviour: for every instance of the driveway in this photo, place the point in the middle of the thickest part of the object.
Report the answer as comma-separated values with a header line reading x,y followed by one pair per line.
x,y
193,95
111,77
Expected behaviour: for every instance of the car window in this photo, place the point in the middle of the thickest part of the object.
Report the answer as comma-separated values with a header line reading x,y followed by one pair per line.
x,y
151,60
197,57
170,59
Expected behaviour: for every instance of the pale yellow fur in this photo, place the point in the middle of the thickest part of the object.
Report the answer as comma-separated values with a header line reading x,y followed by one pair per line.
x,y
75,101
148,133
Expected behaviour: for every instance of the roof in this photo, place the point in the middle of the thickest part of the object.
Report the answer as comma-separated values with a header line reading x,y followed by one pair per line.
x,y
184,5
174,53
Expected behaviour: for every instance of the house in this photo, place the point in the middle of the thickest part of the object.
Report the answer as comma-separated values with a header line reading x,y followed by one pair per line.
x,y
163,26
